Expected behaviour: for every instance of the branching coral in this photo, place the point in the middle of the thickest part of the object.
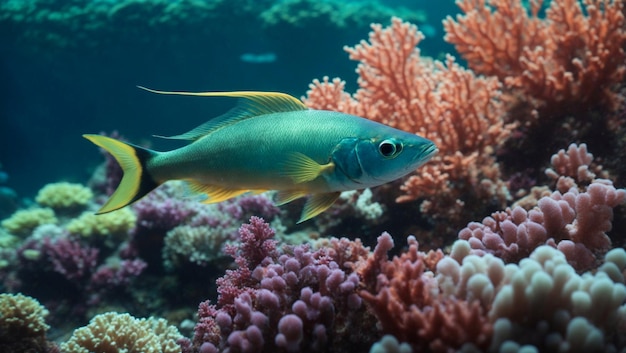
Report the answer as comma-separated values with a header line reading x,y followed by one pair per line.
x,y
21,315
460,112
116,274
427,301
69,258
22,324
114,333
406,300
183,230
570,59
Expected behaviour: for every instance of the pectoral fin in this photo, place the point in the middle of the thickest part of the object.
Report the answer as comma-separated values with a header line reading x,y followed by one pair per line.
x,y
214,193
317,204
301,168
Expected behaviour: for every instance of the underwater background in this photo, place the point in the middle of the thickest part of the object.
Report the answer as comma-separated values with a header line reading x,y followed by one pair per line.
x,y
72,67
510,239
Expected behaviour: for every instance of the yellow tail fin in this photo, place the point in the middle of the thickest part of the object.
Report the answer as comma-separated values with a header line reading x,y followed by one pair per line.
x,y
136,182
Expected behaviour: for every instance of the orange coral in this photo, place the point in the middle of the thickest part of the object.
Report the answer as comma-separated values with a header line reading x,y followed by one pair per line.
x,y
460,112
406,300
570,59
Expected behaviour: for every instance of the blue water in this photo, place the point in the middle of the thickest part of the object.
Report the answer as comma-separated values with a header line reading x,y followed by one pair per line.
x,y
62,78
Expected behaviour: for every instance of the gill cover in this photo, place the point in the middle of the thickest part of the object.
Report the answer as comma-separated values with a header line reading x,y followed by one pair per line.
x,y
346,159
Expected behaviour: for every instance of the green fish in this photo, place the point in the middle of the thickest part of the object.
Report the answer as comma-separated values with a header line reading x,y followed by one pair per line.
x,y
270,141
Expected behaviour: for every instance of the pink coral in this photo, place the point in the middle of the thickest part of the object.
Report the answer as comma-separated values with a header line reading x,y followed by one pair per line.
x,y
573,168
574,219
406,300
571,58
575,222
459,111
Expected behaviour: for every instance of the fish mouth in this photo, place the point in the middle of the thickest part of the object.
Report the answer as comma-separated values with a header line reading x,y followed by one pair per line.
x,y
429,152
421,158
424,156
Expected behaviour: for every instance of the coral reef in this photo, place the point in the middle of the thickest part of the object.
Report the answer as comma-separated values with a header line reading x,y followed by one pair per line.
x,y
562,73
22,324
544,271
570,59
461,112
406,300
576,313
64,197
108,229
69,259
306,13
23,222
573,220
199,245
97,22
294,300
574,64
114,333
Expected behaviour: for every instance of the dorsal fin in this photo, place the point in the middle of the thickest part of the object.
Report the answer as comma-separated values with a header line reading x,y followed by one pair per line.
x,y
253,104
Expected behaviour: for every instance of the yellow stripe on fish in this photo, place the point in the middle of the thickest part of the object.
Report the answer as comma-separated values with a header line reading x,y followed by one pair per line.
x,y
271,141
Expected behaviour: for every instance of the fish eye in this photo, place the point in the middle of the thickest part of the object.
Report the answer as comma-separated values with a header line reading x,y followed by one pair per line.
x,y
389,148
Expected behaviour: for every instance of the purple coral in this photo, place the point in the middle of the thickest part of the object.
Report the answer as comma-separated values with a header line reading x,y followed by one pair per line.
x,y
69,258
247,205
159,213
290,333
574,219
290,300
575,222
257,243
117,275
111,277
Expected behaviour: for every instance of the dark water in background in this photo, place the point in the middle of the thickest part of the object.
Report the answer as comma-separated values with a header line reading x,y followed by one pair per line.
x,y
51,94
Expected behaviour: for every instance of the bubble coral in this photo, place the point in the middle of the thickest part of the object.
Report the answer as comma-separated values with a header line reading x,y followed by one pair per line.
x,y
114,333
284,300
547,304
23,222
64,196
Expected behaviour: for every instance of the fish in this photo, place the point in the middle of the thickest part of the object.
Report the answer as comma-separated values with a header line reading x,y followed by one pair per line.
x,y
270,141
